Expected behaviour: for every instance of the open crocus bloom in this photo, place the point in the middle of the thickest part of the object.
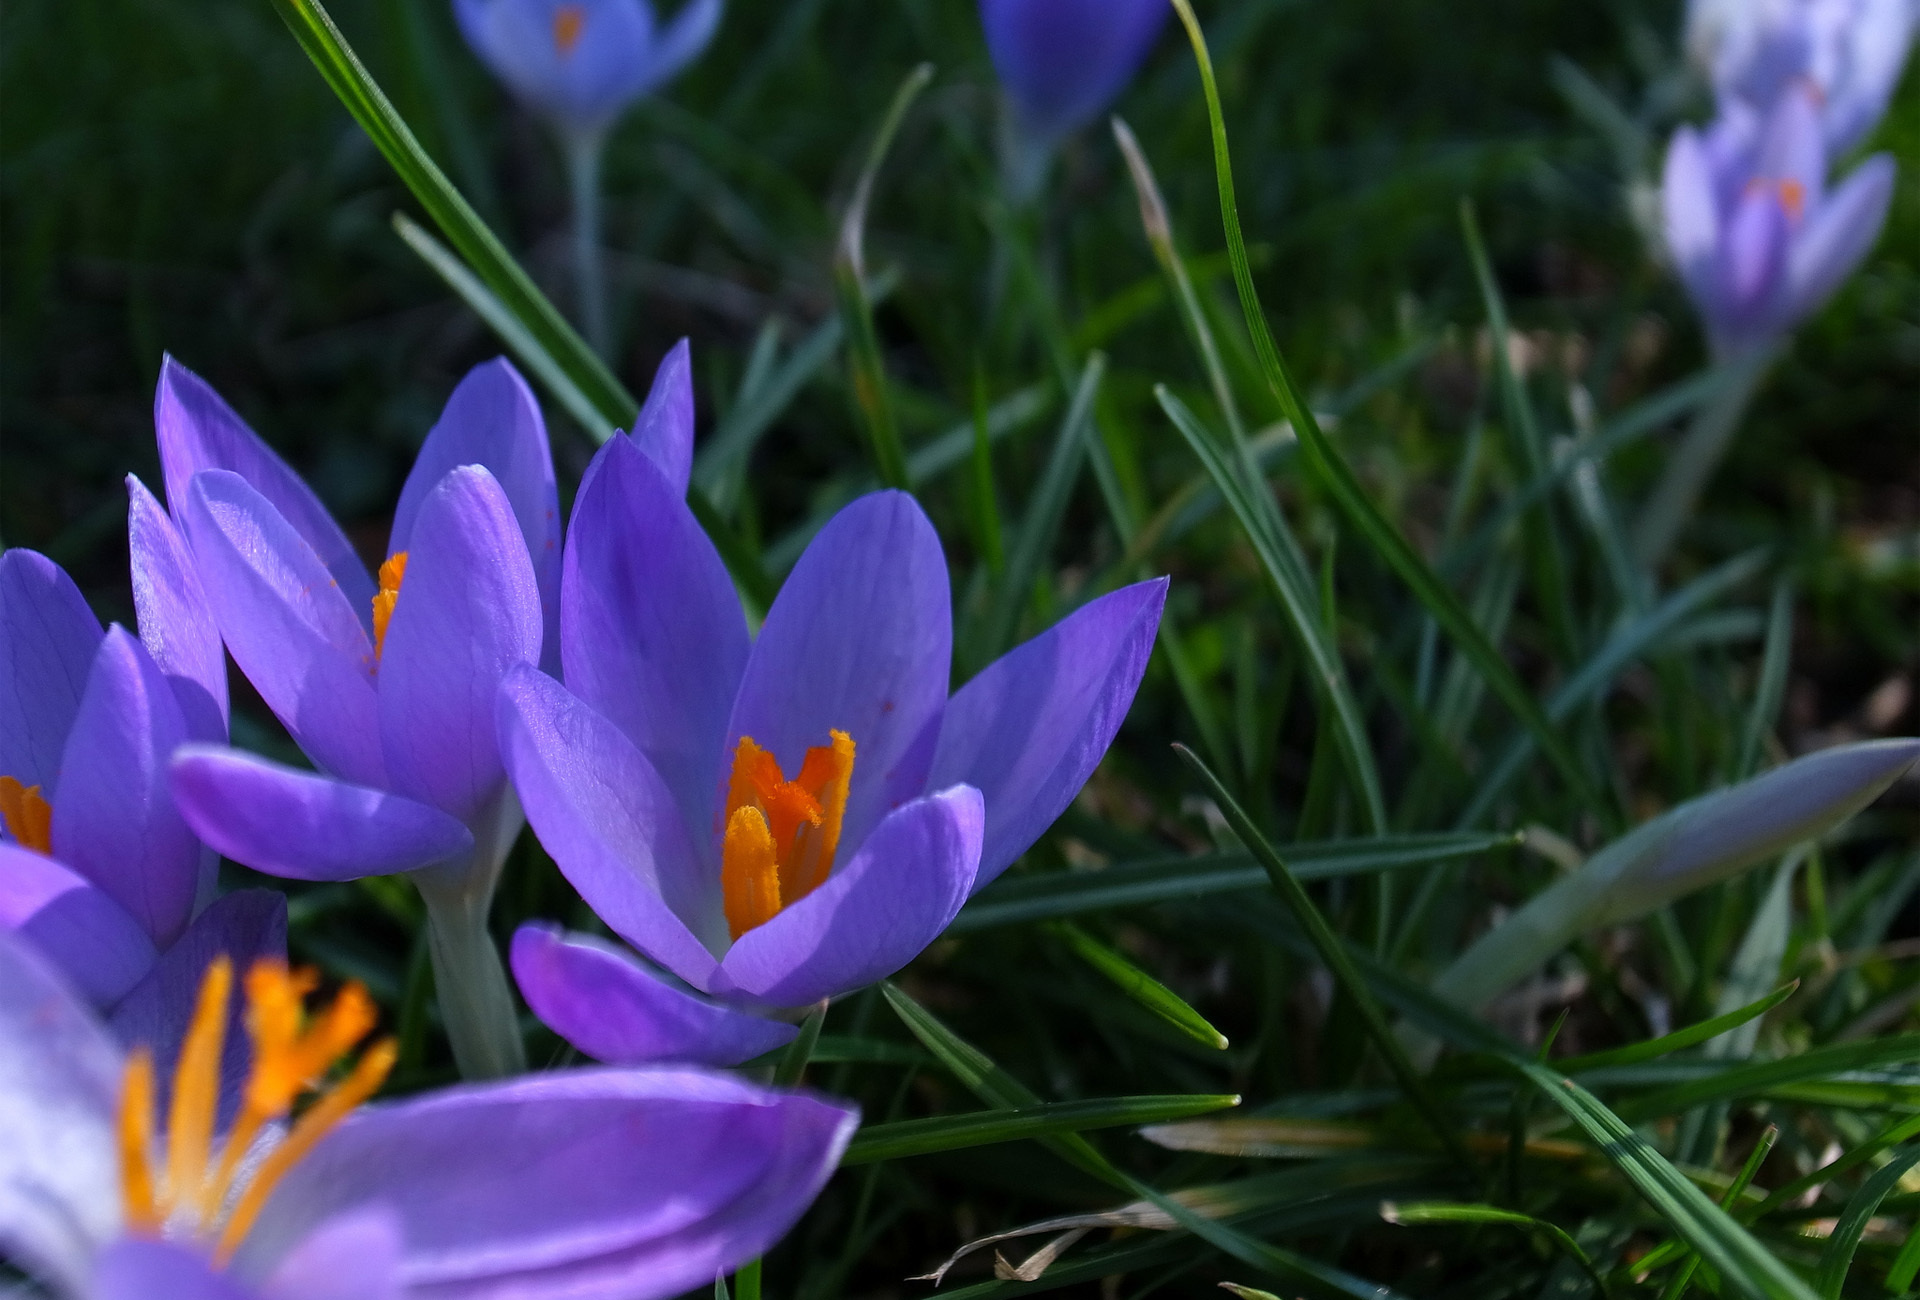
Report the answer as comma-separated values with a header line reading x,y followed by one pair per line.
x,y
623,1184
386,686
1757,238
782,819
97,869
1064,61
582,62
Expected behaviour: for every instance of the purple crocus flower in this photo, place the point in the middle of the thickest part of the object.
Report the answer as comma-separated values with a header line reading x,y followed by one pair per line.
x,y
1848,54
1063,61
97,868
781,819
1758,239
607,1183
581,63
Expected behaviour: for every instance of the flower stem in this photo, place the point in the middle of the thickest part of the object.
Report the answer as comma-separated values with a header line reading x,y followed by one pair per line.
x,y
583,150
476,1002
1672,504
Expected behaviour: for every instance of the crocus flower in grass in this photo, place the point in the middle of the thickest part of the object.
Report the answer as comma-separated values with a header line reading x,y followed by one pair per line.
x,y
616,1183
1062,62
97,868
1847,53
582,63
781,819
387,685
1757,237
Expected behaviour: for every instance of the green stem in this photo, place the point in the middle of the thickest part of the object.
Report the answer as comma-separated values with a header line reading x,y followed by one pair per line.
x,y
476,1002
1700,451
583,150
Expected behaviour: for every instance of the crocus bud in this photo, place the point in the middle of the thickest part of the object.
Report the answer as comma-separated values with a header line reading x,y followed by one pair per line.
x,y
582,63
1063,62
1700,843
1847,53
1756,236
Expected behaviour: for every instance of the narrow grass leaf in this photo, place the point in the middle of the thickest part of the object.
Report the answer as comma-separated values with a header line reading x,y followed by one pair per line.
x,y
1837,1258
1457,1212
1680,1039
916,1137
1140,986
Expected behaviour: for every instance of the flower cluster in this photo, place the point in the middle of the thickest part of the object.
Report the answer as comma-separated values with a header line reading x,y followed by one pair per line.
x,y
775,820
1758,228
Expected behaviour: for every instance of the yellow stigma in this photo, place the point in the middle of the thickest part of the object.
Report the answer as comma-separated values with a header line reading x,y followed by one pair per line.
x,y
292,1054
780,835
28,817
568,22
391,575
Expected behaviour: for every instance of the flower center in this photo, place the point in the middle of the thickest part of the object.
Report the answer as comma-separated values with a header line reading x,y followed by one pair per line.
x,y
391,575
568,22
292,1054
28,816
780,835
1791,193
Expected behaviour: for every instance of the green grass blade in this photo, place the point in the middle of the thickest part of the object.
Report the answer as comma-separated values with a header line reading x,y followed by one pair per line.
x,y
1014,899
917,1137
1742,1262
1457,1212
746,423
1771,689
470,237
1334,953
1746,1080
519,340
1140,986
1679,1039
1339,478
793,1061
849,277
1837,1258
1040,522
1293,585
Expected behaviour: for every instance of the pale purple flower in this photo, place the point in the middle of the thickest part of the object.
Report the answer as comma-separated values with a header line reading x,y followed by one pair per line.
x,y
582,63
600,1184
98,870
1758,239
781,819
1848,54
1063,62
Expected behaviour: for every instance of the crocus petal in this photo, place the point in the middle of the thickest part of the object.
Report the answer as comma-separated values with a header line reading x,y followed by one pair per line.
x,y
605,1003
59,1093
1752,265
652,635
468,611
356,1255
48,637
1692,219
113,818
587,1184
860,639
1791,149
245,926
304,826
875,914
606,64
141,1268
77,927
681,42
664,427
176,623
493,420
1029,730
199,431
1838,236
290,626
1063,61
610,823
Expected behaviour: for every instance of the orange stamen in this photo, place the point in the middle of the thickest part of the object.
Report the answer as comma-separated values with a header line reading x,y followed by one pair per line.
x,y
1793,197
292,1053
392,573
28,816
568,22
780,835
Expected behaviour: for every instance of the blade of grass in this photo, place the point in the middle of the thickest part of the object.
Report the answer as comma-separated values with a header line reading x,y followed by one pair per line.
x,y
349,79
1140,986
1680,1039
1458,1212
849,277
1338,477
1837,1258
918,1137
1683,1276
1771,688
1334,953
